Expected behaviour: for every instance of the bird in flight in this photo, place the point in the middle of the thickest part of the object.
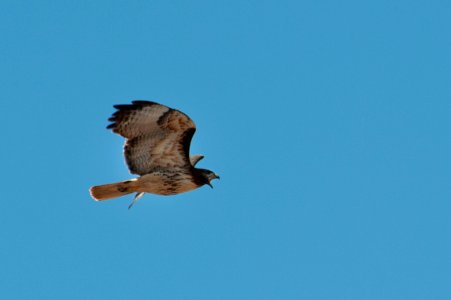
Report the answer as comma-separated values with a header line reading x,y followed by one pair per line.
x,y
157,144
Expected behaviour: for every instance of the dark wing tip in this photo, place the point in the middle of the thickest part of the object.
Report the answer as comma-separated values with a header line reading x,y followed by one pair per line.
x,y
144,102
124,106
123,110
135,104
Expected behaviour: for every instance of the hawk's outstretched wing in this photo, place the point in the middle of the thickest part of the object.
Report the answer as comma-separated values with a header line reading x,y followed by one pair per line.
x,y
156,136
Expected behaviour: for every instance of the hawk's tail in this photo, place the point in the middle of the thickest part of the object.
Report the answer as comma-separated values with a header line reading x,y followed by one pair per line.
x,y
113,190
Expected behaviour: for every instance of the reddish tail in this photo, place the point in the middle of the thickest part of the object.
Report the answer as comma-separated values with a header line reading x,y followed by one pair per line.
x,y
112,190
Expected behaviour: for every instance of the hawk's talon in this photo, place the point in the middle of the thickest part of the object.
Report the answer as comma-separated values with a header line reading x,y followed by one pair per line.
x,y
135,199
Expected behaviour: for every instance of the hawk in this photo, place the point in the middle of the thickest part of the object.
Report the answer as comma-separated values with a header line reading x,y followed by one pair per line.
x,y
157,144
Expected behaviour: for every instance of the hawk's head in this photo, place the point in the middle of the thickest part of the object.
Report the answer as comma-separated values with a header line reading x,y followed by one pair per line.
x,y
204,176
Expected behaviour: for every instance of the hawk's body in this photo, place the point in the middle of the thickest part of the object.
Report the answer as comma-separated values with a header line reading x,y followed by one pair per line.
x,y
157,148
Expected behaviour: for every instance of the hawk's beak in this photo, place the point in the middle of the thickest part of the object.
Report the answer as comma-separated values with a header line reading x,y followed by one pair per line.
x,y
217,176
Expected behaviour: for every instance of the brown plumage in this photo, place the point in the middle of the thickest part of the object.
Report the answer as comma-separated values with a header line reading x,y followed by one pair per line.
x,y
157,144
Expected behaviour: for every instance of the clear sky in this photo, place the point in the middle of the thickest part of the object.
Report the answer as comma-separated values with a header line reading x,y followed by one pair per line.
x,y
328,121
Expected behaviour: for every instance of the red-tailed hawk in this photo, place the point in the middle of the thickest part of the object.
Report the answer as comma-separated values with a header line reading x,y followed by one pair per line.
x,y
157,142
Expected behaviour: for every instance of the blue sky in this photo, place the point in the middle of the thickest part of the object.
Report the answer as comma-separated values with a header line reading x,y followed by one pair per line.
x,y
328,121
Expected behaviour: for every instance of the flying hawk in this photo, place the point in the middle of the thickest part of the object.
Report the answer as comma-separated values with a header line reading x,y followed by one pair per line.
x,y
157,142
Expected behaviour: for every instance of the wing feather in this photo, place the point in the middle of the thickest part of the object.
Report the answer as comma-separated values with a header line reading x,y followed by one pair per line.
x,y
156,136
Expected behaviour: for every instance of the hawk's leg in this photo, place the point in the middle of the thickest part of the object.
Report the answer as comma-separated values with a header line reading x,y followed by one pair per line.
x,y
136,198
